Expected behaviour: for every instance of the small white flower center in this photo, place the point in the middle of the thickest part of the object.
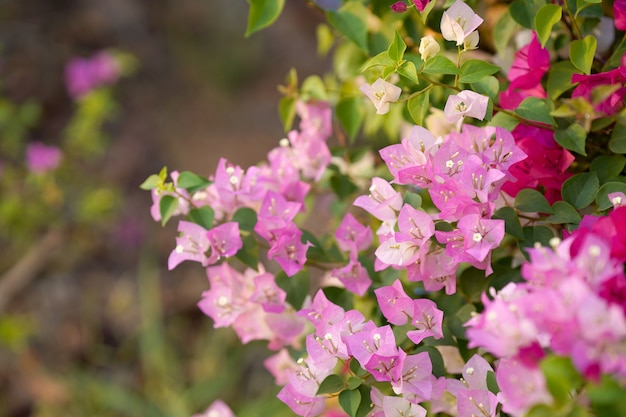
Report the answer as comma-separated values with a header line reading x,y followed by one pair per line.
x,y
477,237
284,142
179,249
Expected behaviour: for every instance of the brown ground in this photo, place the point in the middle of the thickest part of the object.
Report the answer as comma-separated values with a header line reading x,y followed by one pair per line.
x,y
202,91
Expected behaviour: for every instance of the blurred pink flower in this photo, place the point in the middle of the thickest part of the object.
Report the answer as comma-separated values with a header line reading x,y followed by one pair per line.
x,y
619,13
399,7
41,158
83,75
217,409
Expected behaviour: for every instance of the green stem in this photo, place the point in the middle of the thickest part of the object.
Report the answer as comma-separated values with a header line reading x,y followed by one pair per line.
x,y
521,119
577,31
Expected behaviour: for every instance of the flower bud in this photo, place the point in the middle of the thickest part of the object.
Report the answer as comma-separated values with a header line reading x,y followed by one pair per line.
x,y
399,7
428,47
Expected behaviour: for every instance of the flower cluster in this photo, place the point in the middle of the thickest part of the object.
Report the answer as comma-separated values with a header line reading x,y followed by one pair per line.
x,y
463,174
494,262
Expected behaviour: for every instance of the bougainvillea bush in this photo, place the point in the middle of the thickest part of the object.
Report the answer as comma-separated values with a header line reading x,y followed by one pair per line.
x,y
442,231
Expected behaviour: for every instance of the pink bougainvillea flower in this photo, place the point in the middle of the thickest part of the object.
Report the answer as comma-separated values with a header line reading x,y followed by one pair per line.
x,y
268,294
42,158
420,4
279,366
466,103
458,22
481,235
381,93
288,250
383,202
619,14
193,244
401,407
225,241
516,398
217,409
354,277
427,318
83,75
352,236
396,306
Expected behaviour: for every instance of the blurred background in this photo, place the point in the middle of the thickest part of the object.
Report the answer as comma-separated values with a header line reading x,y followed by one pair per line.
x,y
91,322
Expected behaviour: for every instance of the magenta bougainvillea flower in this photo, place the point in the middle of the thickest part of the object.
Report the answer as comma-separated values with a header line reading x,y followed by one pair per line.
x,y
610,104
84,74
42,158
619,13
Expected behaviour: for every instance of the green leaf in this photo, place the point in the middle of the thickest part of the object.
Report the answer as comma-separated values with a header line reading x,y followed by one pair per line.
x,y
472,283
397,48
535,109
580,190
192,182
313,88
532,201
523,11
505,27
350,400
356,369
563,213
354,382
296,287
581,52
262,14
501,119
547,16
456,322
342,186
536,234
167,207
350,115
560,79
607,166
331,384
325,39
151,182
488,86
492,382
607,398
249,253
512,225
340,296
602,199
408,70
561,377
287,112
246,217
617,144
572,138
439,64
474,70
349,20
412,199
380,60
202,216
418,107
